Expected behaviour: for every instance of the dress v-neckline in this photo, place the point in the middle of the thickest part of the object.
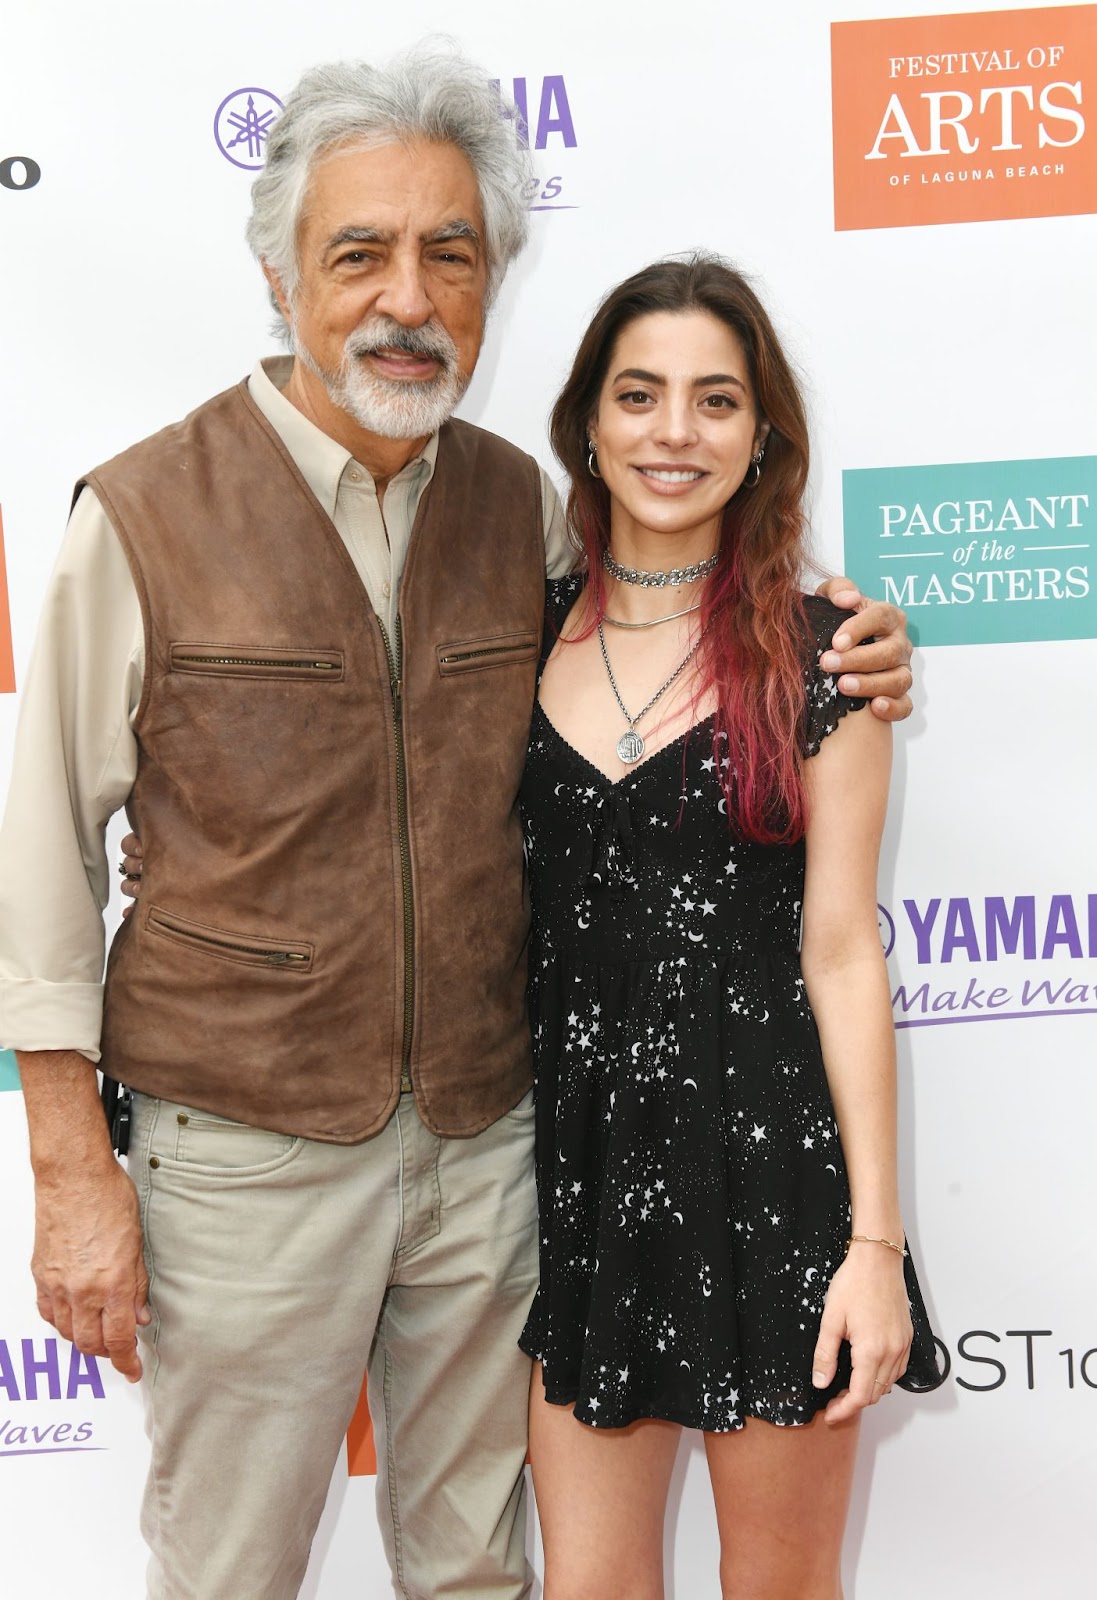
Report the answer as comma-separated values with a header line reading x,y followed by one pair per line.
x,y
648,761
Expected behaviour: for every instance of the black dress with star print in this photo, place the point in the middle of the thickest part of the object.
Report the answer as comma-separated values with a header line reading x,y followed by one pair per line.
x,y
693,1196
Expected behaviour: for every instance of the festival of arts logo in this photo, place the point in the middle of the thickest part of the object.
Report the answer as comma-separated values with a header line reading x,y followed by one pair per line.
x,y
44,1375
241,125
964,118
979,552
997,958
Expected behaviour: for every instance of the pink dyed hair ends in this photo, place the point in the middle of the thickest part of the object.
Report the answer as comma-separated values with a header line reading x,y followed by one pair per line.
x,y
751,604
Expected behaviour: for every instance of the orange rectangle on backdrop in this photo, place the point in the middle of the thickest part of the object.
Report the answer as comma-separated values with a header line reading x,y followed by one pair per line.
x,y
7,659
361,1451
972,117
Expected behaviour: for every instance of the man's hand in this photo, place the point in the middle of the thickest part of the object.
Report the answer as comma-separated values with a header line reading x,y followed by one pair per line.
x,y
88,1262
89,1266
132,863
879,672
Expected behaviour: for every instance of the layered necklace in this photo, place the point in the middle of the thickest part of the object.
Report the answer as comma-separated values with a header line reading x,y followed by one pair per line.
x,y
656,580
631,746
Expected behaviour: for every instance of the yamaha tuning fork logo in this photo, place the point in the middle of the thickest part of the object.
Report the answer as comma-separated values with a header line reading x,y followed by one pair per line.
x,y
546,124
241,125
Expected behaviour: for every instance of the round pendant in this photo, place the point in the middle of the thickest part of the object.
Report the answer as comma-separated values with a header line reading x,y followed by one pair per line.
x,y
630,747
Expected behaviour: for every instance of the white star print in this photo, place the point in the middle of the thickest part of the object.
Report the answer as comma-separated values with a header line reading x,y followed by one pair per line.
x,y
759,1134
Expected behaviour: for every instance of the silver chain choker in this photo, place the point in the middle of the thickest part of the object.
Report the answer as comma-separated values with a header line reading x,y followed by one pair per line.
x,y
659,580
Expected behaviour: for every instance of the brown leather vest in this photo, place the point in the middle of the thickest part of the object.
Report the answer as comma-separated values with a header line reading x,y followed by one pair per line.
x,y
333,890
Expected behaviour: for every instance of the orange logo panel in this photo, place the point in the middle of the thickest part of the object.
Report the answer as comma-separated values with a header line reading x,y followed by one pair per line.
x,y
967,118
7,661
361,1452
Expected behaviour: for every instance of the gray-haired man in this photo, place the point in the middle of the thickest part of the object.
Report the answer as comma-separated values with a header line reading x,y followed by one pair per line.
x,y
296,636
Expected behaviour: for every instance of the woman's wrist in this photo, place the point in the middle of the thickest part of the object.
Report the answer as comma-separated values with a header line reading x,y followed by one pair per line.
x,y
894,1241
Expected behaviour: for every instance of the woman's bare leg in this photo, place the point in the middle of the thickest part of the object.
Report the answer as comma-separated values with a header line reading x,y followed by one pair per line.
x,y
782,1495
601,1498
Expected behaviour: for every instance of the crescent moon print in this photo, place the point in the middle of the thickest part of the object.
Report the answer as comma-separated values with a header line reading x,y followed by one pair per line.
x,y
659,941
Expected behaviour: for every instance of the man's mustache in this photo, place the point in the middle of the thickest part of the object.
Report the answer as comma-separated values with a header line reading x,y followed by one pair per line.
x,y
431,342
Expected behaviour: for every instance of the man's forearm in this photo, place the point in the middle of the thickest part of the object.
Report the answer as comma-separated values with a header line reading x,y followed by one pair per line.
x,y
64,1113
88,1259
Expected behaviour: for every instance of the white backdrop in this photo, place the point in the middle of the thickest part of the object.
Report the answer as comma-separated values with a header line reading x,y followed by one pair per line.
x,y
130,297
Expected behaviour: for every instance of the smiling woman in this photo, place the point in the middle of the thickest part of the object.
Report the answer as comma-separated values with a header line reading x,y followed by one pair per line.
x,y
722,1089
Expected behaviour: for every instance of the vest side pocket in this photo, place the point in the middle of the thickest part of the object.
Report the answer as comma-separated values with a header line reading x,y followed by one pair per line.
x,y
304,664
479,655
247,949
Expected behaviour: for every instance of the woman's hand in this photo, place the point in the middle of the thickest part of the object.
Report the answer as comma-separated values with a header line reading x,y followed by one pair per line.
x,y
866,1303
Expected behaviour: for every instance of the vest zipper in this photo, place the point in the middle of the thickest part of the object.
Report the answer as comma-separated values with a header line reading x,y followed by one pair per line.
x,y
244,661
492,650
275,957
396,687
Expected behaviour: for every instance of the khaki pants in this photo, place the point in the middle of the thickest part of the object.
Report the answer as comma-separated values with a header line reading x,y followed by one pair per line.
x,y
280,1269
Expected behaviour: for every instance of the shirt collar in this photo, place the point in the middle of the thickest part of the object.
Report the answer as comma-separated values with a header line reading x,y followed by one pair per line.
x,y
320,459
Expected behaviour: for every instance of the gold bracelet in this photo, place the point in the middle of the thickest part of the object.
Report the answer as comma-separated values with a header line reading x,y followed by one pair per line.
x,y
864,1238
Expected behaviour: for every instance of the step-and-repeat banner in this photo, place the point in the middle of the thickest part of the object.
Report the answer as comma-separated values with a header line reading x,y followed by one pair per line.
x,y
916,198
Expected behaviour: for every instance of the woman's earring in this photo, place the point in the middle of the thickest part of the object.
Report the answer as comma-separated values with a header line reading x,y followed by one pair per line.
x,y
756,463
592,460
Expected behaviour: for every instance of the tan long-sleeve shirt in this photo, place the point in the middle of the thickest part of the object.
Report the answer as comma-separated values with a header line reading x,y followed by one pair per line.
x,y
76,753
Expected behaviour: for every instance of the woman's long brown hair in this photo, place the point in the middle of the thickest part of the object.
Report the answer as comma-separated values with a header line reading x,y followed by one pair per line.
x,y
752,648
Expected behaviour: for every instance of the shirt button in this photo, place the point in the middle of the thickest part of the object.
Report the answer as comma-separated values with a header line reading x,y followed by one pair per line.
x,y
386,589
355,477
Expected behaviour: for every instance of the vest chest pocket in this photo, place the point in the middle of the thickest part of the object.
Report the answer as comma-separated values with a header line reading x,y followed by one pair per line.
x,y
479,655
248,949
305,665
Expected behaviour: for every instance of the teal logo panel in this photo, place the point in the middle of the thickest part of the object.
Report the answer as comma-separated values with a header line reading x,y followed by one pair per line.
x,y
978,552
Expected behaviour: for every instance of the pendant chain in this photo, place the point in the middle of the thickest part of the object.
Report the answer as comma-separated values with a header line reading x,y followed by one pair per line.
x,y
630,746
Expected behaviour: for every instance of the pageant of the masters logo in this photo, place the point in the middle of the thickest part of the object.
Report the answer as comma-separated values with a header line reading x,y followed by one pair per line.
x,y
964,118
979,552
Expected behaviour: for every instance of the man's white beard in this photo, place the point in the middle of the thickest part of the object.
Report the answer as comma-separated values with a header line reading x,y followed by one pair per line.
x,y
393,408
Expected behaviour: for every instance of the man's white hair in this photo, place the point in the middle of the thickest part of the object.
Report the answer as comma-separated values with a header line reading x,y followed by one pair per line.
x,y
430,93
